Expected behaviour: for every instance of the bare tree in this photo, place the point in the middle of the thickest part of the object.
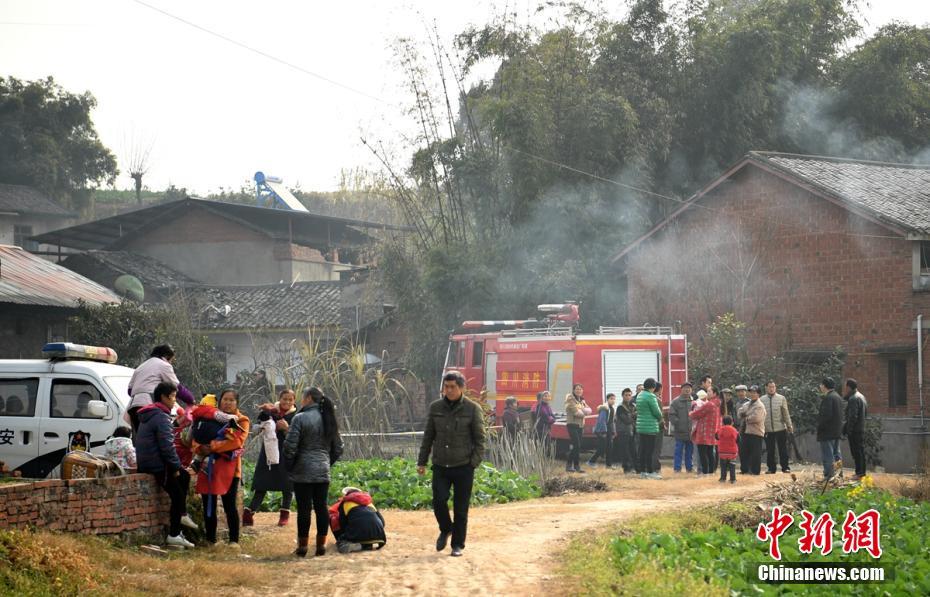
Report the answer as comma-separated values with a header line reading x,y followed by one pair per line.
x,y
137,151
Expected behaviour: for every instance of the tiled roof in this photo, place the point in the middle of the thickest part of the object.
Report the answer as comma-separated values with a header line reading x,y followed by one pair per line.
x,y
279,306
111,264
27,200
29,280
898,194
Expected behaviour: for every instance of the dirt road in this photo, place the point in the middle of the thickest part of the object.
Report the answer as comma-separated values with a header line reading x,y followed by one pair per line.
x,y
511,548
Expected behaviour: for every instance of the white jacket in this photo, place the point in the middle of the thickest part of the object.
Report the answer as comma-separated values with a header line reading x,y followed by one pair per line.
x,y
146,376
270,440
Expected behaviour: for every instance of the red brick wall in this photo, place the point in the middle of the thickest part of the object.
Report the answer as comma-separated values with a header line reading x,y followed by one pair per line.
x,y
127,504
804,273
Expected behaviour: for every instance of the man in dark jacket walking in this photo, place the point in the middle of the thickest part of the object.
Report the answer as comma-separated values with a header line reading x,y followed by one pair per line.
x,y
455,435
854,428
829,426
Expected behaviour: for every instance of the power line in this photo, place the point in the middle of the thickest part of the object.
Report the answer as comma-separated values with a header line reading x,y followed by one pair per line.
x,y
261,53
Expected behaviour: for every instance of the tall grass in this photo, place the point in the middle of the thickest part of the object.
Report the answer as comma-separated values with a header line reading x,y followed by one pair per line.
x,y
521,453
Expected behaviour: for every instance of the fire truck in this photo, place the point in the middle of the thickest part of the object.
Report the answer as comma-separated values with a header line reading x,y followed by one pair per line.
x,y
520,358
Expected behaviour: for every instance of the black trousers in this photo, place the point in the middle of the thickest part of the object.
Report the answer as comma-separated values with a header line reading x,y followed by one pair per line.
x,y
458,480
743,459
647,444
779,439
706,458
625,451
604,448
657,452
176,488
574,454
134,419
727,466
312,496
857,447
752,452
258,496
229,506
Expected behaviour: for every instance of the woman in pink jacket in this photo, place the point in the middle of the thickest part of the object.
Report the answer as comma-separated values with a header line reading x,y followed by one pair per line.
x,y
706,420
155,370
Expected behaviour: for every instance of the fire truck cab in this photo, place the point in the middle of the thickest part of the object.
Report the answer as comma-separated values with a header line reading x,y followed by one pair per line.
x,y
512,358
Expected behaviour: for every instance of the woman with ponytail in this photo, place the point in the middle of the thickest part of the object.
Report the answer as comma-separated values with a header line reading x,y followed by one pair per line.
x,y
312,445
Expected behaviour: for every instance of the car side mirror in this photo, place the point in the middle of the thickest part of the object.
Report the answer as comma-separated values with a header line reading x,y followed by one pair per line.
x,y
98,409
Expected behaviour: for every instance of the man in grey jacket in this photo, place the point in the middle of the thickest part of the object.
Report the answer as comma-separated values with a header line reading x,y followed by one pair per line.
x,y
777,427
455,435
680,424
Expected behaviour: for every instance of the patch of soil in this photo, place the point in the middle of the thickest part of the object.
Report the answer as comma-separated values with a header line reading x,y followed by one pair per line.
x,y
567,484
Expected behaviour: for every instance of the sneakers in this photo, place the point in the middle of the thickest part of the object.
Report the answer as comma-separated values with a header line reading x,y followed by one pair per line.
x,y
247,518
179,540
456,552
579,470
347,546
187,521
591,464
655,476
732,481
442,540
233,546
769,472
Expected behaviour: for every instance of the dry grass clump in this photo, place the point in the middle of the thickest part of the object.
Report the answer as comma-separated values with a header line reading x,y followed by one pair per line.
x,y
563,485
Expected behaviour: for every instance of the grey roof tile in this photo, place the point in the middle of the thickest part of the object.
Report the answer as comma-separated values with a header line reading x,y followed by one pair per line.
x,y
27,200
278,306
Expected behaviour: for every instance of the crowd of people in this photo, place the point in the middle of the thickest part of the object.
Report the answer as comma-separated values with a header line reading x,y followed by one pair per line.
x,y
713,429
176,439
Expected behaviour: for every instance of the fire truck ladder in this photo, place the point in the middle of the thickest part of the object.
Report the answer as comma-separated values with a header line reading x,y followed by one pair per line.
x,y
642,330
522,333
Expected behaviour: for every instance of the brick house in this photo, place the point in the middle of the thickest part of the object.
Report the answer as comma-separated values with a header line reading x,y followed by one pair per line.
x,y
24,212
813,253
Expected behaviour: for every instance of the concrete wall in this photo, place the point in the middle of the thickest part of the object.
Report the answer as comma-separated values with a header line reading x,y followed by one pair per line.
x,y
246,352
40,225
802,272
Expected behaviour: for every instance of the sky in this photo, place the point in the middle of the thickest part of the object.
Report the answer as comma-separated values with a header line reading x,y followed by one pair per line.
x,y
214,112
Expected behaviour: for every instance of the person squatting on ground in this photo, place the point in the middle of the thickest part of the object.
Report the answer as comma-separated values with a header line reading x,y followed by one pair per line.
x,y
648,420
854,428
605,430
120,450
680,427
753,416
829,426
706,420
455,436
155,454
777,427
311,447
575,411
356,523
727,438
270,474
219,477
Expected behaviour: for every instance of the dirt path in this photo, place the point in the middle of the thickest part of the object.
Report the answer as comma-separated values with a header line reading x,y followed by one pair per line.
x,y
511,548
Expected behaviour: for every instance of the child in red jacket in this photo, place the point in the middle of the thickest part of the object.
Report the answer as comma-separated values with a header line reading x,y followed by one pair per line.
x,y
728,449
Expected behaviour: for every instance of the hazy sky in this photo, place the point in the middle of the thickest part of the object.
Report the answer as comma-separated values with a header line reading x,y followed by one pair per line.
x,y
216,112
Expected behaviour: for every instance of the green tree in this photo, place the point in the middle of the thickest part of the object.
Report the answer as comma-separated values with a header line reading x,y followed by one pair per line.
x,y
132,330
48,140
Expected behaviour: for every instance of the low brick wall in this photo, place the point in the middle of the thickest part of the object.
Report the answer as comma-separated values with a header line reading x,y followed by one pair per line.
x,y
131,504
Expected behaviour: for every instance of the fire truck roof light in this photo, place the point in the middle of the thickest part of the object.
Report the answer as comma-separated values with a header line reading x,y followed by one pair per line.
x,y
67,350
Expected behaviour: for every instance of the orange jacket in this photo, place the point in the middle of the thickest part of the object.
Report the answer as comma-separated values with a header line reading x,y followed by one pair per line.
x,y
224,469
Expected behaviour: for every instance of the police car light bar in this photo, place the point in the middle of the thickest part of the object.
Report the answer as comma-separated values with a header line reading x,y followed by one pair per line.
x,y
67,350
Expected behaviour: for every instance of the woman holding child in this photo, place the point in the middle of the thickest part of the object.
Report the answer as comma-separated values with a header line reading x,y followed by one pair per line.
x,y
273,477
219,475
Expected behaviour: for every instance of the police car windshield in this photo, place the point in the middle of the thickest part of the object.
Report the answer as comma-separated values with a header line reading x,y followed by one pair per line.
x,y
119,384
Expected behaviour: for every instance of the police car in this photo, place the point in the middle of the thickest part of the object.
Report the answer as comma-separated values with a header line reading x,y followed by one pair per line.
x,y
45,402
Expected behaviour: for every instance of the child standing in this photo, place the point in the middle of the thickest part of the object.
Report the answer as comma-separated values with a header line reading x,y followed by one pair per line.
x,y
728,447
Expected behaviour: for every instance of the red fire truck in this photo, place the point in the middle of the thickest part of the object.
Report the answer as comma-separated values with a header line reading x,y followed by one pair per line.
x,y
522,357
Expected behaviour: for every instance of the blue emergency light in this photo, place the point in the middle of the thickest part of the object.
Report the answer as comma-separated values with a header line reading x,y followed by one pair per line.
x,y
66,350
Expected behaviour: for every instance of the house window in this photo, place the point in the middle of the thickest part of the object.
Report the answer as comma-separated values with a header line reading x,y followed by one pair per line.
x,y
21,236
477,354
897,383
922,265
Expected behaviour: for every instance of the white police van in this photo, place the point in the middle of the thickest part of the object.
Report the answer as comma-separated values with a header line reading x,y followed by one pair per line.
x,y
44,401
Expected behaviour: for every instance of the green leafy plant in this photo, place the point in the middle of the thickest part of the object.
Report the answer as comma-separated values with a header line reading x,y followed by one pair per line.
x,y
395,483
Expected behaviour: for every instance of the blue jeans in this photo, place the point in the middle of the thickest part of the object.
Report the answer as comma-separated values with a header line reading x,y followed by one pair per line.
x,y
829,454
689,454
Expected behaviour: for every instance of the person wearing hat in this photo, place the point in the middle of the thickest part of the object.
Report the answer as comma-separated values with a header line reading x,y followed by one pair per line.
x,y
753,415
680,428
356,523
